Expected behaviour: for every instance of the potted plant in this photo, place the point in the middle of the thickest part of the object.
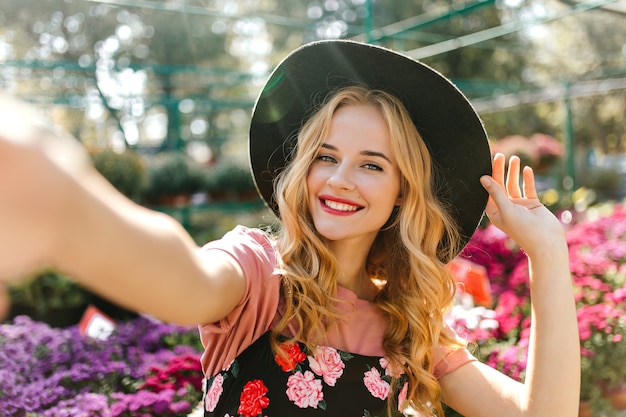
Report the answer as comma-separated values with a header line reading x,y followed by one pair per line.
x,y
124,170
50,297
173,178
540,151
229,180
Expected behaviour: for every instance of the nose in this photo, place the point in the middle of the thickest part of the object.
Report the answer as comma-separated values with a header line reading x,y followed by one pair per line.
x,y
340,178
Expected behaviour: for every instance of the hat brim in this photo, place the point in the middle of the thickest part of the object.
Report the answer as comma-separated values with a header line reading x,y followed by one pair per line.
x,y
450,127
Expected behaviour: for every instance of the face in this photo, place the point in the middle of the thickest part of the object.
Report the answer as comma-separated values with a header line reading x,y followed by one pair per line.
x,y
354,181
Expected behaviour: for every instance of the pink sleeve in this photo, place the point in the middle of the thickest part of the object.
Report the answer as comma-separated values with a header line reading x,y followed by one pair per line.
x,y
225,340
448,360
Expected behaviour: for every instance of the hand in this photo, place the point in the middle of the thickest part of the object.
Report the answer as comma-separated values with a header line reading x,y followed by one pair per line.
x,y
521,215
36,167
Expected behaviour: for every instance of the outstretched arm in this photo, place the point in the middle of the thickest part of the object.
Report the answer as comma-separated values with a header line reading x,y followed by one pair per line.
x,y
57,210
552,380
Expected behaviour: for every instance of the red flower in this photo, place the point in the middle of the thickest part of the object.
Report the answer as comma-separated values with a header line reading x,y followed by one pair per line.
x,y
179,372
253,400
292,355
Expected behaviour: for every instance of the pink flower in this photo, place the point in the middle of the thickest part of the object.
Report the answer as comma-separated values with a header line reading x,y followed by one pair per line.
x,y
389,369
214,393
304,390
327,363
375,384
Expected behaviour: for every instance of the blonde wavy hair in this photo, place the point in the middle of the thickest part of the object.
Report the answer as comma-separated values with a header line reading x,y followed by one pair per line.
x,y
407,255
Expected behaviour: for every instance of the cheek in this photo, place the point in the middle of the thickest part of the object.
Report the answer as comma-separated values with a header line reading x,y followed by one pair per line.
x,y
311,189
313,180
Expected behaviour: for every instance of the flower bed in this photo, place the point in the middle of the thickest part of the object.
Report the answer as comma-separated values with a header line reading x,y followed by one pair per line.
x,y
149,368
144,368
597,248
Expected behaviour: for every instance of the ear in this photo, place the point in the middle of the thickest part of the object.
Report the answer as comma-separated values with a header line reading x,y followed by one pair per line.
x,y
401,191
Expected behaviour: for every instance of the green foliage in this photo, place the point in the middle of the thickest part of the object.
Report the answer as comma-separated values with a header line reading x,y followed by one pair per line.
x,y
183,337
603,369
229,176
46,291
173,173
124,170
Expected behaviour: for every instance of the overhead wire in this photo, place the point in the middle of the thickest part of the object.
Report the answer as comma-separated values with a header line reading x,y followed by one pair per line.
x,y
389,31
498,31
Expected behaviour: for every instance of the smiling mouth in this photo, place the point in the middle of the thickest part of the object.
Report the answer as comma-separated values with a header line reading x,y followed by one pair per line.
x,y
334,205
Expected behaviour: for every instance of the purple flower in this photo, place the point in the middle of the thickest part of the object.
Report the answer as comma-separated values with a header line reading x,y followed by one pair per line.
x,y
57,372
84,405
180,407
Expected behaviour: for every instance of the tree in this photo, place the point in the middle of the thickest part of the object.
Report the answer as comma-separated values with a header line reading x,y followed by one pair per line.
x,y
167,74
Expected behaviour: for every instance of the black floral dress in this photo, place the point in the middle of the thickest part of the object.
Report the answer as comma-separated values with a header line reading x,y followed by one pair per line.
x,y
327,382
246,379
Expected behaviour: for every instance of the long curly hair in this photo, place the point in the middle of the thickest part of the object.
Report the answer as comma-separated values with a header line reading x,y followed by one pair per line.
x,y
407,255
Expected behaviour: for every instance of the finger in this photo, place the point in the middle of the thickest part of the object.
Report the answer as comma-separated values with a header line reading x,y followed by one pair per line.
x,y
530,188
497,170
497,198
512,179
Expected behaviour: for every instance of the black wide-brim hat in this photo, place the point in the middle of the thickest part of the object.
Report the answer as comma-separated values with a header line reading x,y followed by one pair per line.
x,y
448,124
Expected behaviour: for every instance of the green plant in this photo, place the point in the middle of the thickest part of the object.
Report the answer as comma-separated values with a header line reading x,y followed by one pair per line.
x,y
229,177
173,173
601,300
124,170
597,264
48,291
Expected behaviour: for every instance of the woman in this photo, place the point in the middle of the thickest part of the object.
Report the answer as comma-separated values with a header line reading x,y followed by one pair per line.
x,y
342,313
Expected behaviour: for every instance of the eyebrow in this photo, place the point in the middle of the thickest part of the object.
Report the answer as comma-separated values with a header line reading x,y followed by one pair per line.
x,y
365,153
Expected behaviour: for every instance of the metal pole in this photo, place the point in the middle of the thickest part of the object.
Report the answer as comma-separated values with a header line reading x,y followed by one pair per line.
x,y
369,21
569,180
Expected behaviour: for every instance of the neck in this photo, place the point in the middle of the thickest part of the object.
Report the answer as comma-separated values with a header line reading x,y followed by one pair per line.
x,y
352,273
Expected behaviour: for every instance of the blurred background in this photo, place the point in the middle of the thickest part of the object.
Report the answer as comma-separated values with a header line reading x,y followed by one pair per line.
x,y
161,91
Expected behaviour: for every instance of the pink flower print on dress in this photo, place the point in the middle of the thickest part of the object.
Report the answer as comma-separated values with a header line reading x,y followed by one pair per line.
x,y
389,369
304,390
327,363
214,393
375,384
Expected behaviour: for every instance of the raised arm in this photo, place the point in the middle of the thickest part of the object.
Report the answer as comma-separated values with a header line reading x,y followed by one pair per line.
x,y
57,210
552,380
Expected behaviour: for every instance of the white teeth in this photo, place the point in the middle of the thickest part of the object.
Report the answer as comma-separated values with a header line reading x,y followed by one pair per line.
x,y
340,206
